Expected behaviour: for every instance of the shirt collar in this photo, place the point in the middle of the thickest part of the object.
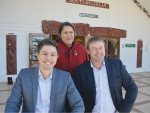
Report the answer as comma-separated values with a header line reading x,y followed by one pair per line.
x,y
92,66
41,77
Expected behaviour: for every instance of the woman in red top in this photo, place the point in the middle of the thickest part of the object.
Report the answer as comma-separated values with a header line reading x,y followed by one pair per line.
x,y
71,54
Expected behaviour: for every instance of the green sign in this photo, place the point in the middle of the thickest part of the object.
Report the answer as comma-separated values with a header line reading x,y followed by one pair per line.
x,y
130,45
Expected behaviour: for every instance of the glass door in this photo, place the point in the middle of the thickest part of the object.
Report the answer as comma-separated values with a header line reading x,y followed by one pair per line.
x,y
80,40
112,47
34,38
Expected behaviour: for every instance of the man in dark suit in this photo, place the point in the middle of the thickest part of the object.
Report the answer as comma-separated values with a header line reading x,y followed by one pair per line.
x,y
44,89
100,81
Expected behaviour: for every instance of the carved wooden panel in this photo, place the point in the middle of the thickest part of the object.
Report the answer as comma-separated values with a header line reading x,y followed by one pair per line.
x,y
107,32
98,31
51,27
139,53
11,54
81,29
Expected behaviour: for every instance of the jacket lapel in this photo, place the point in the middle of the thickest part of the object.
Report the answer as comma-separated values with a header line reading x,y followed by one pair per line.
x,y
109,69
90,75
35,85
53,88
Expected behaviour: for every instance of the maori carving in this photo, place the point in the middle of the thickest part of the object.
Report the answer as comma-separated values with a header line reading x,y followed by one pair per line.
x,y
11,54
98,31
118,33
81,29
139,53
107,32
51,27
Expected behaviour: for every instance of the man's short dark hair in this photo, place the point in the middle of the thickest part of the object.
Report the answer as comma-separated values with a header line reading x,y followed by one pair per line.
x,y
63,25
95,39
47,41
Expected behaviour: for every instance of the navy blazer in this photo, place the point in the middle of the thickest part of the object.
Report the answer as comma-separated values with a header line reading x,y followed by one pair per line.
x,y
26,89
118,77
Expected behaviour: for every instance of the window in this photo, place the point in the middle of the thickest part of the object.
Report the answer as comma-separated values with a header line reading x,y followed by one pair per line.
x,y
112,47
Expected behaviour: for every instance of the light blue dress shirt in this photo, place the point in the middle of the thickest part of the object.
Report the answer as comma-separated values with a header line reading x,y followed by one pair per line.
x,y
103,102
43,96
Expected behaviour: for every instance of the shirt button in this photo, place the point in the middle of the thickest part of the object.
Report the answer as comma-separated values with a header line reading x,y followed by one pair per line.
x,y
65,69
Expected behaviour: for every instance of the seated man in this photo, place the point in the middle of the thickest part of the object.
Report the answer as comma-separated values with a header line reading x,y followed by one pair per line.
x,y
44,88
100,81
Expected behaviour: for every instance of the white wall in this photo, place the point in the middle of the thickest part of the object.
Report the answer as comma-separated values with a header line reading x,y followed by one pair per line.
x,y
22,17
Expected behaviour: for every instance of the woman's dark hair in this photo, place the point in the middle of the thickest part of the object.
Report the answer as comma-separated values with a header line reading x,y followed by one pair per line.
x,y
47,41
62,26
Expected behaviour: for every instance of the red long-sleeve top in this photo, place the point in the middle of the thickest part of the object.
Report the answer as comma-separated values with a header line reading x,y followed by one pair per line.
x,y
70,58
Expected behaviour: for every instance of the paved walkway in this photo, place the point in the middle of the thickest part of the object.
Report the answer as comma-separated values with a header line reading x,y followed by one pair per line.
x,y
142,103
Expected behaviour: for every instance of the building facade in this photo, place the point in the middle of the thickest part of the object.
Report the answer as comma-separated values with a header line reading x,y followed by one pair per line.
x,y
121,23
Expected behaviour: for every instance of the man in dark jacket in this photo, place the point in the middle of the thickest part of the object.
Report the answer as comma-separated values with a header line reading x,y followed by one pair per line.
x,y
100,81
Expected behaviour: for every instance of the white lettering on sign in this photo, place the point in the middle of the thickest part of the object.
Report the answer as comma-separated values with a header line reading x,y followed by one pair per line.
x,y
76,1
97,3
84,2
88,15
71,1
81,1
89,3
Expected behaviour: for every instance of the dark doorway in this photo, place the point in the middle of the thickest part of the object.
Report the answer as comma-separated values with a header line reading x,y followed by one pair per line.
x,y
54,37
80,40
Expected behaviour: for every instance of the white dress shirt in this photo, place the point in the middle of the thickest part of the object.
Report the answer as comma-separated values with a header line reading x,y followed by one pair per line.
x,y
103,102
43,96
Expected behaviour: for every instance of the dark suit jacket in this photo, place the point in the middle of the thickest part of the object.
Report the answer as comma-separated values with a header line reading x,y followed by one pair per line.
x,y
118,77
26,88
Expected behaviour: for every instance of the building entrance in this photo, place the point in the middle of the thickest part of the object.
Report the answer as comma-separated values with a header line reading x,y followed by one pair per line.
x,y
111,37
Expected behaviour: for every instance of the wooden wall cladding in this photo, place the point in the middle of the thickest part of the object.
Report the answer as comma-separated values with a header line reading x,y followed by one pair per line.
x,y
11,54
107,32
51,27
